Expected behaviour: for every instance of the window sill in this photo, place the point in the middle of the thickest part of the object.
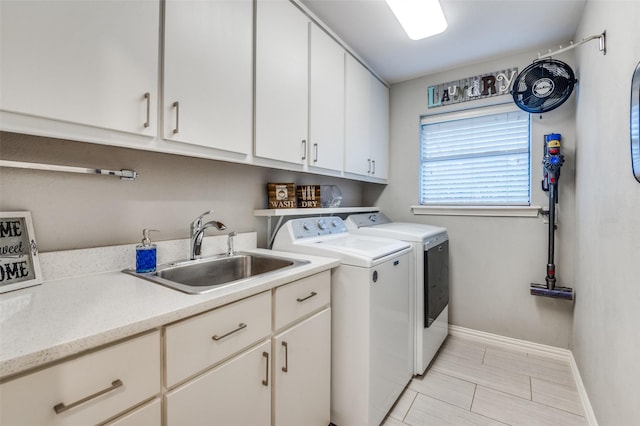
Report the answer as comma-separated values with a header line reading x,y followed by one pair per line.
x,y
487,211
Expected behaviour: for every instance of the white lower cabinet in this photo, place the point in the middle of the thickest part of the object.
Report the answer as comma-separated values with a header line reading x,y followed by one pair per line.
x,y
236,393
218,370
197,343
301,373
260,369
86,390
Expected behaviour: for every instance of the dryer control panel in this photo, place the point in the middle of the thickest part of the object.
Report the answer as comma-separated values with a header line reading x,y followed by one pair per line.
x,y
316,226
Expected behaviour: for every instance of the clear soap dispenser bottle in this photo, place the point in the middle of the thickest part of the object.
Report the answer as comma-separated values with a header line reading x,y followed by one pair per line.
x,y
146,253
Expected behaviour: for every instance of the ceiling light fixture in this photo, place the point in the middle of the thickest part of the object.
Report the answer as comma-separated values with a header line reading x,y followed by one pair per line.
x,y
419,18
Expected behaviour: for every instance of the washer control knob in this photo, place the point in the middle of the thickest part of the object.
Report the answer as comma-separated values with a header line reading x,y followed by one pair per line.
x,y
322,224
334,223
305,226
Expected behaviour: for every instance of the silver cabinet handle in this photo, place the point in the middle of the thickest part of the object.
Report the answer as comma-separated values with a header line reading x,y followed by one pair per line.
x,y
315,152
373,163
369,160
266,373
61,408
313,293
147,96
176,105
286,357
304,149
240,327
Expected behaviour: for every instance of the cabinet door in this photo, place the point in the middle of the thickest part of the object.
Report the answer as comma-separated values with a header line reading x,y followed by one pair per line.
x,y
302,372
379,148
237,392
82,62
357,116
86,390
326,103
208,73
281,81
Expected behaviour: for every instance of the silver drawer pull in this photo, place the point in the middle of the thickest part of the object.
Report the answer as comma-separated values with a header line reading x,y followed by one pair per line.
x,y
313,293
240,327
286,357
176,105
147,96
266,372
61,408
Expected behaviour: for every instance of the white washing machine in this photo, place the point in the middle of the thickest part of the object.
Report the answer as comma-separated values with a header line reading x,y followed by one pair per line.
x,y
430,290
371,331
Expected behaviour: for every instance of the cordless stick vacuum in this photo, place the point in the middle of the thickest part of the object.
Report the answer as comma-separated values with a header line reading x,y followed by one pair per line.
x,y
552,162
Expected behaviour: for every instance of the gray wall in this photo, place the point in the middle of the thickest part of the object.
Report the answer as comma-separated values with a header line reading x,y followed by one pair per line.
x,y
606,330
493,259
78,211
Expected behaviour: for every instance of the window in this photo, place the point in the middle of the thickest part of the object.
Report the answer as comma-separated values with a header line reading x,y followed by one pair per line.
x,y
477,158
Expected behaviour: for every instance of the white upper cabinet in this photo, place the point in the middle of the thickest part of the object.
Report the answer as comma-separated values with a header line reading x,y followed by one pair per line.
x,y
282,81
208,73
379,121
93,63
326,103
367,123
357,131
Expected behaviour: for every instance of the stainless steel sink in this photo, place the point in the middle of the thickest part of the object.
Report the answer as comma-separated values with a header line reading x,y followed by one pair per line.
x,y
203,275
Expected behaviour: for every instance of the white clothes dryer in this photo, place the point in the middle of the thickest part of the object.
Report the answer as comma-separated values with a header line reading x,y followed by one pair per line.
x,y
430,290
371,331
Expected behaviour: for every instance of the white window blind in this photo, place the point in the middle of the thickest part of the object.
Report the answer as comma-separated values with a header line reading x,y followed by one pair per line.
x,y
478,158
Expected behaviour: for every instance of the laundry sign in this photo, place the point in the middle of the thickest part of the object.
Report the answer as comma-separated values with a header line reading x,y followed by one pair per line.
x,y
471,88
19,263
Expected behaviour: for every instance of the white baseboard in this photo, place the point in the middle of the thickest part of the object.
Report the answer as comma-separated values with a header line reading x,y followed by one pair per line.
x,y
533,348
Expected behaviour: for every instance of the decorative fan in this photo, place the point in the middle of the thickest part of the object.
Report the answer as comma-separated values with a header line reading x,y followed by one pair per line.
x,y
543,86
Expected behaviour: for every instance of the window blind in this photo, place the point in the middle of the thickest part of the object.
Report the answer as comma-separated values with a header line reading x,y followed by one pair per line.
x,y
483,159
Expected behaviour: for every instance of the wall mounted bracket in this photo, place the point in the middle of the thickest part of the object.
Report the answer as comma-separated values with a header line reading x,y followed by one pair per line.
x,y
602,47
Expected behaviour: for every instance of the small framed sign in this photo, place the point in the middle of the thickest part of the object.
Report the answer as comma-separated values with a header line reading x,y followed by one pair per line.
x,y
309,196
282,195
19,262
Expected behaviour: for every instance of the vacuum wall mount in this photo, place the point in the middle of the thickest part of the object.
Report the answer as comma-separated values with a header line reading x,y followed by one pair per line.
x,y
551,163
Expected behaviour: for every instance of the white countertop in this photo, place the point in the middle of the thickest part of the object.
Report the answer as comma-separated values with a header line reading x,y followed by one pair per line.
x,y
65,317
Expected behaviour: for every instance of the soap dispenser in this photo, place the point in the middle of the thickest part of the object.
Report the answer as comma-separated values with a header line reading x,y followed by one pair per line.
x,y
146,253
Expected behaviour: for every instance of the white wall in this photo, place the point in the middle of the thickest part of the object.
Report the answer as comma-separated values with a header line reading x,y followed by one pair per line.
x,y
78,211
606,331
493,260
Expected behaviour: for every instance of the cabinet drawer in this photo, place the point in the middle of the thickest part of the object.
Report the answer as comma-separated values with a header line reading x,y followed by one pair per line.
x,y
199,342
302,297
85,390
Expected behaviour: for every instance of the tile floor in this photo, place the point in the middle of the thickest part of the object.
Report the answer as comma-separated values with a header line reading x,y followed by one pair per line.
x,y
470,383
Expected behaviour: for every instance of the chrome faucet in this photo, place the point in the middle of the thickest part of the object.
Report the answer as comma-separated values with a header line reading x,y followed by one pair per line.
x,y
230,249
197,232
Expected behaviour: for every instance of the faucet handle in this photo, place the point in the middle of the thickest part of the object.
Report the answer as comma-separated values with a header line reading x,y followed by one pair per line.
x,y
197,222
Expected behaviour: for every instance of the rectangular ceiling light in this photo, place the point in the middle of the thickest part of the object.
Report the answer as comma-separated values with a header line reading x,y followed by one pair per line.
x,y
419,18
